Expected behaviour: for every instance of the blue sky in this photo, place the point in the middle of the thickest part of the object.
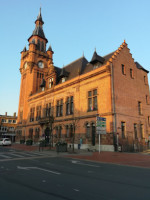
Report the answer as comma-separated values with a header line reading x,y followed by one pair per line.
x,y
71,27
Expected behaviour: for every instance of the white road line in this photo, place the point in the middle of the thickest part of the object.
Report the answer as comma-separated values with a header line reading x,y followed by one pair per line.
x,y
16,155
26,154
79,163
45,170
39,154
76,190
4,156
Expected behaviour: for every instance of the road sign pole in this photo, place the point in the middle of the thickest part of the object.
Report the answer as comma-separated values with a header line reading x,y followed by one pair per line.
x,y
99,143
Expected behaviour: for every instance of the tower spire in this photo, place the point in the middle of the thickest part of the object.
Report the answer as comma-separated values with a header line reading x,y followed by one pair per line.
x,y
39,17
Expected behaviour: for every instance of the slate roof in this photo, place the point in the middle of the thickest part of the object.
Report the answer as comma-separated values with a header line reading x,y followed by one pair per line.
x,y
63,73
140,67
79,67
39,17
49,48
39,32
96,58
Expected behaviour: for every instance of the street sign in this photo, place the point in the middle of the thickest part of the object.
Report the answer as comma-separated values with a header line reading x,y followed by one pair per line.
x,y
101,125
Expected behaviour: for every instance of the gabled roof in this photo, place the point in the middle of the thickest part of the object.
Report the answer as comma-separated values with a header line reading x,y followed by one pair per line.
x,y
140,67
96,58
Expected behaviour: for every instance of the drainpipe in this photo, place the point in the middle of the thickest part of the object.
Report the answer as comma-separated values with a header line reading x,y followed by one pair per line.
x,y
113,104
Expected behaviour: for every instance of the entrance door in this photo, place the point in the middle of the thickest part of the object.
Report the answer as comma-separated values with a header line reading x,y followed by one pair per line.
x,y
47,134
93,134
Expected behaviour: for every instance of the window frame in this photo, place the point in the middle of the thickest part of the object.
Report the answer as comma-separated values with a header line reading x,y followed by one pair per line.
x,y
123,129
92,100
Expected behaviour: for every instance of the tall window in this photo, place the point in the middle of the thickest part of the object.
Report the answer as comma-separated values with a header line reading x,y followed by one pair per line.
x,y
123,69
141,130
48,110
31,133
38,112
135,131
69,106
59,131
71,131
131,73
139,107
87,130
149,120
67,131
38,45
123,129
59,108
42,46
37,133
145,79
50,82
92,100
32,114
56,131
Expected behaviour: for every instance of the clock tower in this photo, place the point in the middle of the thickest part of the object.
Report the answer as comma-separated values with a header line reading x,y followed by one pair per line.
x,y
36,63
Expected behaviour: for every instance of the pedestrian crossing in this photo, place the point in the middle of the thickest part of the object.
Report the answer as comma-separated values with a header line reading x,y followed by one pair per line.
x,y
23,155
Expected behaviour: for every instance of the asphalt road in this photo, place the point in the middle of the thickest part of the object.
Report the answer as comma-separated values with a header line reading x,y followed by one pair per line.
x,y
59,178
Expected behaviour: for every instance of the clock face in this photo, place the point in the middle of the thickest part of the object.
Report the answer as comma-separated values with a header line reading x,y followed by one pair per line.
x,y
40,64
25,65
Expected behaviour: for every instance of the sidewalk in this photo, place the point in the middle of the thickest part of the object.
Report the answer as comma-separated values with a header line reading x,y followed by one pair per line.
x,y
130,159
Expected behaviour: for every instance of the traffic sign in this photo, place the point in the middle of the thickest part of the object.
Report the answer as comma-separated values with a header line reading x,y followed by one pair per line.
x,y
101,125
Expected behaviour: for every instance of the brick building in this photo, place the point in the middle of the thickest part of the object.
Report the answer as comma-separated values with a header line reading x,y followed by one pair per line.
x,y
8,126
62,103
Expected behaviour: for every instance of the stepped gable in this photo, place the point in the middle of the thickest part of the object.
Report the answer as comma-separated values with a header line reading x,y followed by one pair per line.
x,y
82,66
115,53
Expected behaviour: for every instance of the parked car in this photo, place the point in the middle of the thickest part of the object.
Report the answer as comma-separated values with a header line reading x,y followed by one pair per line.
x,y
5,141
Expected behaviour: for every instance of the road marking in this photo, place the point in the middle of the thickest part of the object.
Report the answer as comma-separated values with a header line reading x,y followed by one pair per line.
x,y
79,163
38,168
16,155
4,156
76,190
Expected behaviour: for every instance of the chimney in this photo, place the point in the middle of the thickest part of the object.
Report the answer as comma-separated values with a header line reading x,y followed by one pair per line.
x,y
6,114
14,114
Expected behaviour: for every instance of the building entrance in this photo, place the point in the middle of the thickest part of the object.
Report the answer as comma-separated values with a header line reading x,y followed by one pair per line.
x,y
93,134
